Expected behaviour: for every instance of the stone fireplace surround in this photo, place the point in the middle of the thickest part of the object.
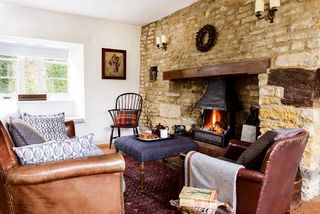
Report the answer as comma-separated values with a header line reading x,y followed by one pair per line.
x,y
239,98
287,98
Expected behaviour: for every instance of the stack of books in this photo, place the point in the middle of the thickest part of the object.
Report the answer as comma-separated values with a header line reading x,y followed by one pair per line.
x,y
197,197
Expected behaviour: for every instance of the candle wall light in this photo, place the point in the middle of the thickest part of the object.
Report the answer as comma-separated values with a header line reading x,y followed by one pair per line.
x,y
273,7
161,42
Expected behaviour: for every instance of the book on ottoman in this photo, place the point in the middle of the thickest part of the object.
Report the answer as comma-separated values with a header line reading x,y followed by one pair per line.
x,y
197,197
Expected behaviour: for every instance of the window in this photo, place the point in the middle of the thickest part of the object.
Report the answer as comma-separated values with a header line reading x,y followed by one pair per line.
x,y
8,66
56,76
30,75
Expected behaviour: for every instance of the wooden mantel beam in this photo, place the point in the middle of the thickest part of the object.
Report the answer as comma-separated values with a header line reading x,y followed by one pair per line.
x,y
235,68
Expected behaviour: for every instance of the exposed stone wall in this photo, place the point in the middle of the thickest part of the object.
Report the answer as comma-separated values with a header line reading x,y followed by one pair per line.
x,y
247,89
293,40
275,114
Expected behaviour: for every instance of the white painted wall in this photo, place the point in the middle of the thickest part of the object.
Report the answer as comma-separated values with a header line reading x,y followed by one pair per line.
x,y
94,34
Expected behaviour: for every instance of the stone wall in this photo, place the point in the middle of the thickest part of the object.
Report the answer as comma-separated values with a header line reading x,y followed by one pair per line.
x,y
292,41
247,90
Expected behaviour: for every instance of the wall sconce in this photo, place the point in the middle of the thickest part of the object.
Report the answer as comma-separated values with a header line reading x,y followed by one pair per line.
x,y
259,9
161,42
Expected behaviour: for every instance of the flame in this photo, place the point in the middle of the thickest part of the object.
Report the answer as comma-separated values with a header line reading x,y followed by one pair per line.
x,y
213,123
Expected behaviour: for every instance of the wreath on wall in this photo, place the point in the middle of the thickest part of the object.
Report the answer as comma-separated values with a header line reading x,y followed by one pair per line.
x,y
206,31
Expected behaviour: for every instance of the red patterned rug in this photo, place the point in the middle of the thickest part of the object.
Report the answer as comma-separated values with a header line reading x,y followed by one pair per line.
x,y
161,185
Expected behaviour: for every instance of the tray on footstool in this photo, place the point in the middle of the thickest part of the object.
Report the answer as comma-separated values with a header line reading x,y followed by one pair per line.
x,y
151,140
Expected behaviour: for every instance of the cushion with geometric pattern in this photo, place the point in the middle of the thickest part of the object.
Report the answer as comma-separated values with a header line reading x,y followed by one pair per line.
x,y
57,150
51,127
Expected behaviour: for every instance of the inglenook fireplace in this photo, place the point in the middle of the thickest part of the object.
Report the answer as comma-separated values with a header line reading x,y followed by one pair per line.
x,y
218,105
219,95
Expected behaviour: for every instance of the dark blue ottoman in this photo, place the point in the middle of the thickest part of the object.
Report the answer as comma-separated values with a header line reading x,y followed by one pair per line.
x,y
155,150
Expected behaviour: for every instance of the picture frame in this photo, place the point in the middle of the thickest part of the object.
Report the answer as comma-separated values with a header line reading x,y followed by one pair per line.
x,y
114,63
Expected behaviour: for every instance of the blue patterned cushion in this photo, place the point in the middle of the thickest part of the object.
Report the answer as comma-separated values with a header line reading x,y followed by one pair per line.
x,y
23,134
57,150
51,127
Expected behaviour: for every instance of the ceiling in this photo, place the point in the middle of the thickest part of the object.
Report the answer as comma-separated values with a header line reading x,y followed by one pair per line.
x,y
136,12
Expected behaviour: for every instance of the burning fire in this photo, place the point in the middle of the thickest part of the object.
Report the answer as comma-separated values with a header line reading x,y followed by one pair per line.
x,y
214,122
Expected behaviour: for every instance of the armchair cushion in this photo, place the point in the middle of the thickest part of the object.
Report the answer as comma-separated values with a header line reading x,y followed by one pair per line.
x,y
253,155
57,150
51,127
126,117
23,134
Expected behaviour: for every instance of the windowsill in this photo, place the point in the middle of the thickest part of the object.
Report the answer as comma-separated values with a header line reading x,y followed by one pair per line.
x,y
76,120
52,107
46,101
53,98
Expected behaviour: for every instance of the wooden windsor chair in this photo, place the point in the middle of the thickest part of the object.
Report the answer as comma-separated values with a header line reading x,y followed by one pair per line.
x,y
126,113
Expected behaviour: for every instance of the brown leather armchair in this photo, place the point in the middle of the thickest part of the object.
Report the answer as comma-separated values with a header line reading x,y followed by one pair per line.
x,y
269,189
86,185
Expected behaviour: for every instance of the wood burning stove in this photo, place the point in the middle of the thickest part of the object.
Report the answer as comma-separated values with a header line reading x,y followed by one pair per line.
x,y
215,130
218,105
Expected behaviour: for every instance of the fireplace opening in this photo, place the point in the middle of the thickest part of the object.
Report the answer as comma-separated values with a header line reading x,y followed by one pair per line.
x,y
218,105
215,120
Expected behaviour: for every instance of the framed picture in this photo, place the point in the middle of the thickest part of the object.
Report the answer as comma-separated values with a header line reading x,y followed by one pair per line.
x,y
113,64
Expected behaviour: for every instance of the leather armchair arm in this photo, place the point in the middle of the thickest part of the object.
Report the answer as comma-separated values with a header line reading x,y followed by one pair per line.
x,y
250,175
42,173
240,143
70,128
235,149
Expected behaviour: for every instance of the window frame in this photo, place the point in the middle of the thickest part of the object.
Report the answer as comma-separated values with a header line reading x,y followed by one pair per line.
x,y
41,77
67,63
15,77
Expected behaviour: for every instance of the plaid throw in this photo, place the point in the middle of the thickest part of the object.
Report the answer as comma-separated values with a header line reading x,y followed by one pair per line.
x,y
126,117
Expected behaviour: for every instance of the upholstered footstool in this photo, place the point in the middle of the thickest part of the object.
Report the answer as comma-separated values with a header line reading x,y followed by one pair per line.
x,y
155,150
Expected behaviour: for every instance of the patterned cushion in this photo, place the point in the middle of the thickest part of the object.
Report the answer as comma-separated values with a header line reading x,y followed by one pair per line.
x,y
23,134
57,150
126,117
51,127
252,155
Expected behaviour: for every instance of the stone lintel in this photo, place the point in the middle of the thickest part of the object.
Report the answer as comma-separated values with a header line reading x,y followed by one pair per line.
x,y
300,86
